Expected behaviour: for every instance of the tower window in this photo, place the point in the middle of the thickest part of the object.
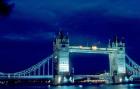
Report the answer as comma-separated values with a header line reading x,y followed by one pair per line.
x,y
63,46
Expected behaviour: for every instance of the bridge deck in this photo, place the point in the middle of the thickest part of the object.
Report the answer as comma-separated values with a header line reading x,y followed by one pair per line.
x,y
27,77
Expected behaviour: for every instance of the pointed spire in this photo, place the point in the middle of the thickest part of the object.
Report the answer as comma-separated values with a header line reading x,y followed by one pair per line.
x,y
109,43
113,44
59,33
116,41
123,41
67,35
120,43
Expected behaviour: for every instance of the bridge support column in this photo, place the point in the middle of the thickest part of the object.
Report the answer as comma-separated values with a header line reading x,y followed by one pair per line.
x,y
61,59
117,62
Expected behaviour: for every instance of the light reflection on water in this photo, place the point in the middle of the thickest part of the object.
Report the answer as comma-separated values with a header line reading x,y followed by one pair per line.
x,y
130,86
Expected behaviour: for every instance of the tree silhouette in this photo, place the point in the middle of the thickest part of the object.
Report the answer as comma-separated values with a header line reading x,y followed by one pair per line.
x,y
5,8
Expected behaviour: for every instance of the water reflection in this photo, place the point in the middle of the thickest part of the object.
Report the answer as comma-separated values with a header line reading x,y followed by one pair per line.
x,y
130,86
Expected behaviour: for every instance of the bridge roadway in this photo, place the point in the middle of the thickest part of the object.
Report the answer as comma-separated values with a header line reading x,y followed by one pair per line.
x,y
88,76
48,77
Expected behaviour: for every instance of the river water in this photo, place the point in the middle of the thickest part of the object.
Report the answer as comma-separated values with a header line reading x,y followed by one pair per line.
x,y
127,86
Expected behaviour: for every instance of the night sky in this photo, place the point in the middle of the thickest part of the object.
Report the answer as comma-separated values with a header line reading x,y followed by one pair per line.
x,y
26,34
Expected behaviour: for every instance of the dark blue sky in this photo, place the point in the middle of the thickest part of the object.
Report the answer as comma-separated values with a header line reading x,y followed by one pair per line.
x,y
26,35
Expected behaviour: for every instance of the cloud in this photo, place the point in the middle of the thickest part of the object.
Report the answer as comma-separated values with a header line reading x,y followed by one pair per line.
x,y
14,36
29,15
48,15
38,36
54,8
44,35
5,8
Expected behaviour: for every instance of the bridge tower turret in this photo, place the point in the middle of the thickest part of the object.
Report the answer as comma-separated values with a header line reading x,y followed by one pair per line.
x,y
117,61
61,59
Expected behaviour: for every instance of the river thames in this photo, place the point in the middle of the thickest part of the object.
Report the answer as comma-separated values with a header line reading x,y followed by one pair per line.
x,y
126,86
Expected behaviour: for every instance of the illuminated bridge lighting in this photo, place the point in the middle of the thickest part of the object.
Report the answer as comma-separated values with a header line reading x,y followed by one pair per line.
x,y
94,47
81,47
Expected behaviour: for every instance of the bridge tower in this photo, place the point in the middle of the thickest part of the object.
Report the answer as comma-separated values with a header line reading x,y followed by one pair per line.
x,y
117,61
61,59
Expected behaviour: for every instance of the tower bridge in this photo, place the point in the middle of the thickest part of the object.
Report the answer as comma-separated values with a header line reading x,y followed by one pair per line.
x,y
57,66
